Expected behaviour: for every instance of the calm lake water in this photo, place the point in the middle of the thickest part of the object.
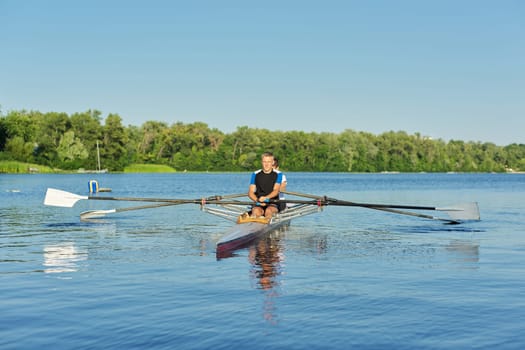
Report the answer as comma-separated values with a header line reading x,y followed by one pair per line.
x,y
343,278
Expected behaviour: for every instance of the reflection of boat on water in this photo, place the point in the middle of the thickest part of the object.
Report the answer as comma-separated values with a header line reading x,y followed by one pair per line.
x,y
266,258
62,257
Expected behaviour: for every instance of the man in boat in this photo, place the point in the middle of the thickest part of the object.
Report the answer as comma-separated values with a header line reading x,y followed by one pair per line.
x,y
265,185
282,205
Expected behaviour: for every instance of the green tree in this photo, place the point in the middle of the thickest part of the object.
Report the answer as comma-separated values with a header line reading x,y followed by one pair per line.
x,y
3,134
88,129
153,141
298,150
20,124
19,131
113,151
61,141
71,151
243,147
513,157
19,149
132,147
192,146
51,129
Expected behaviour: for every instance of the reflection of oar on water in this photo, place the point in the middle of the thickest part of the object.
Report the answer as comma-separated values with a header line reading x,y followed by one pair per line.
x,y
457,213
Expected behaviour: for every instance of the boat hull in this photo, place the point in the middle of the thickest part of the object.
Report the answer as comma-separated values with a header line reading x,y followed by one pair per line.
x,y
243,234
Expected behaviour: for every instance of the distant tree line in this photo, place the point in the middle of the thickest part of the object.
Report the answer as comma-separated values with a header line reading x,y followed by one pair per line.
x,y
69,142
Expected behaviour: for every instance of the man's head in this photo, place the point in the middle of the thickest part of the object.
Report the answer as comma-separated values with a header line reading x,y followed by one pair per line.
x,y
275,163
267,162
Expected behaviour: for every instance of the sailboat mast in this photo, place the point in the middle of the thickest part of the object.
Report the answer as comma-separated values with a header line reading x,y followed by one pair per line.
x,y
98,157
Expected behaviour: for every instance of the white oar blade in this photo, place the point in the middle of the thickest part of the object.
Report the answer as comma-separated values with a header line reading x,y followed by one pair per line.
x,y
59,198
92,214
463,212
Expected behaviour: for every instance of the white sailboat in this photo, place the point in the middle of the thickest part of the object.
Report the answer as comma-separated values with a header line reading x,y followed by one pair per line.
x,y
98,170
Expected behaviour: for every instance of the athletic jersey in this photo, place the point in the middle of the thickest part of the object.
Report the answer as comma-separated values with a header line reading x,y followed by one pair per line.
x,y
283,180
281,206
264,182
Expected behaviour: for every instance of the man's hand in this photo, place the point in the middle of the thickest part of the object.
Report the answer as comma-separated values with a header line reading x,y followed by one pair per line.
x,y
263,200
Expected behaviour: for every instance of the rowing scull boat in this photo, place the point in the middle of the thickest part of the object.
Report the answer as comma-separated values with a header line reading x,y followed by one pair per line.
x,y
243,234
247,229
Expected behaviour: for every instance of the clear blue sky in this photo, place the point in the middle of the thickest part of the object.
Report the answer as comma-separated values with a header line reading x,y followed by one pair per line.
x,y
446,69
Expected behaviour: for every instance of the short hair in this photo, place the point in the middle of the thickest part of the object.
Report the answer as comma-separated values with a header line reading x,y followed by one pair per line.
x,y
267,154
275,162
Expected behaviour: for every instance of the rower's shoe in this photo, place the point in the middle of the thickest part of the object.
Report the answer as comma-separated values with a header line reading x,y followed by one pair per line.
x,y
244,217
241,219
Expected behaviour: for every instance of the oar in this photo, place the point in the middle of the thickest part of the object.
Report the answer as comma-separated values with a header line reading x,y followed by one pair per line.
x,y
461,212
424,216
91,214
469,211
59,198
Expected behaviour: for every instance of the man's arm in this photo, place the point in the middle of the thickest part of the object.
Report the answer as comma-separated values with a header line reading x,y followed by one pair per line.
x,y
251,193
283,184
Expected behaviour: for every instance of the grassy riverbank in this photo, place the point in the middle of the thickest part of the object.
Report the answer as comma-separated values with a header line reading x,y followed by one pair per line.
x,y
15,167
148,168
